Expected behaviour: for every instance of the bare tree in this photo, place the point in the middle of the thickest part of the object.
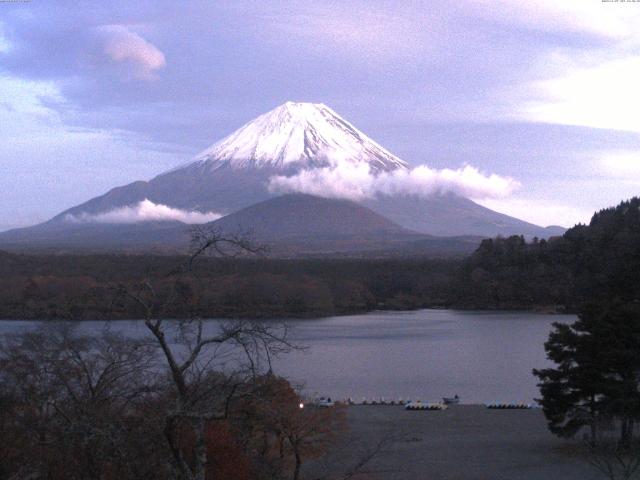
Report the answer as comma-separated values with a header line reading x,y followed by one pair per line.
x,y
73,397
208,369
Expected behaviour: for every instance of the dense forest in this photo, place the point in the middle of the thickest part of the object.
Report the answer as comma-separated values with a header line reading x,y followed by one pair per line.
x,y
76,287
590,261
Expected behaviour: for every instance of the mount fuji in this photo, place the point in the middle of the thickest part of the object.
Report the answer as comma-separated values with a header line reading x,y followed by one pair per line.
x,y
239,171
308,135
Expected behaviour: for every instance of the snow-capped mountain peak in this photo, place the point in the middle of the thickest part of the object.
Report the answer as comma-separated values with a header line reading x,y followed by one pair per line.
x,y
298,134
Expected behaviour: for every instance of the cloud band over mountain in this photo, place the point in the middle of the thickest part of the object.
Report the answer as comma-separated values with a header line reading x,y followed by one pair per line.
x,y
144,211
358,182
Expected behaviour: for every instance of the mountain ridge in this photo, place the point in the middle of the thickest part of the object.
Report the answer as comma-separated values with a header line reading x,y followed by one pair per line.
x,y
294,225
234,173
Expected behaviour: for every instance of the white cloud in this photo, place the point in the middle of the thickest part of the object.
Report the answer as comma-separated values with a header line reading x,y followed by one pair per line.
x,y
357,182
590,86
123,45
604,95
25,100
145,211
624,165
608,19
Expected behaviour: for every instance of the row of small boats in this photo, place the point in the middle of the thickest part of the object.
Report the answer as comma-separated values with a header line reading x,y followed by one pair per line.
x,y
445,400
509,406
418,405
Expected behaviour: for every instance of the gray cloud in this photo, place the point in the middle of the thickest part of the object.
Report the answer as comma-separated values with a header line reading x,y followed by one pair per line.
x,y
231,62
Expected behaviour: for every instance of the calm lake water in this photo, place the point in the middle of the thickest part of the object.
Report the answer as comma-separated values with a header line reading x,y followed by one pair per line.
x,y
426,354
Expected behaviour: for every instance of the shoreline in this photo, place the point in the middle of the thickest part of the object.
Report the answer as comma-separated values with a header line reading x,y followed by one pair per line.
x,y
541,310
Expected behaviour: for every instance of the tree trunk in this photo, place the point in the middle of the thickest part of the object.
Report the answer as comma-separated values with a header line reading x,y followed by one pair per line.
x,y
265,443
171,433
594,431
200,449
625,440
594,422
296,471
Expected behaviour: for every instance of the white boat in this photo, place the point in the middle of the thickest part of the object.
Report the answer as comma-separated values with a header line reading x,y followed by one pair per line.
x,y
324,402
451,400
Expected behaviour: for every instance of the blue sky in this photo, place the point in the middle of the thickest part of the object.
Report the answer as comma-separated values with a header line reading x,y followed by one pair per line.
x,y
99,94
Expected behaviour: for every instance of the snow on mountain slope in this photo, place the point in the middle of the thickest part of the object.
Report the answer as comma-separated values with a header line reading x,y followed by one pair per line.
x,y
298,135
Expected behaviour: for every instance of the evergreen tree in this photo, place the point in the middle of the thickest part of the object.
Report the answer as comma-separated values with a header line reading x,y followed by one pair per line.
x,y
571,392
596,377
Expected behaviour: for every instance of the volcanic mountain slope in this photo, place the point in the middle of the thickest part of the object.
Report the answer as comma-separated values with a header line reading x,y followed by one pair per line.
x,y
235,173
72,237
290,226
305,216
298,224
451,215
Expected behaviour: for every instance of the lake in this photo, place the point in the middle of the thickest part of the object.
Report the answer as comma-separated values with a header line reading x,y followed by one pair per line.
x,y
426,354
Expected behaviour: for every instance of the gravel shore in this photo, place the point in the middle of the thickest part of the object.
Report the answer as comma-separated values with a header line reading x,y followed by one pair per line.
x,y
465,442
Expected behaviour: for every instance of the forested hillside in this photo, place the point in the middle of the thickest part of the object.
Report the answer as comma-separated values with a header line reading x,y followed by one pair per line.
x,y
589,262
601,260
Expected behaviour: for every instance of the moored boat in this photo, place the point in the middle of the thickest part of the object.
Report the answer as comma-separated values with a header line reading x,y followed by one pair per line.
x,y
451,400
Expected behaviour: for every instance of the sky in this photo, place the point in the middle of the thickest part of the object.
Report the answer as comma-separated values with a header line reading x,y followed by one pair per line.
x,y
99,94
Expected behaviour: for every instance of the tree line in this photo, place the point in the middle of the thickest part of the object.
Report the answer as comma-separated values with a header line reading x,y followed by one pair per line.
x,y
72,287
504,273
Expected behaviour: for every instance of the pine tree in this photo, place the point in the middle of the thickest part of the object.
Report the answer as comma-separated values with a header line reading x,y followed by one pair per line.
x,y
596,377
